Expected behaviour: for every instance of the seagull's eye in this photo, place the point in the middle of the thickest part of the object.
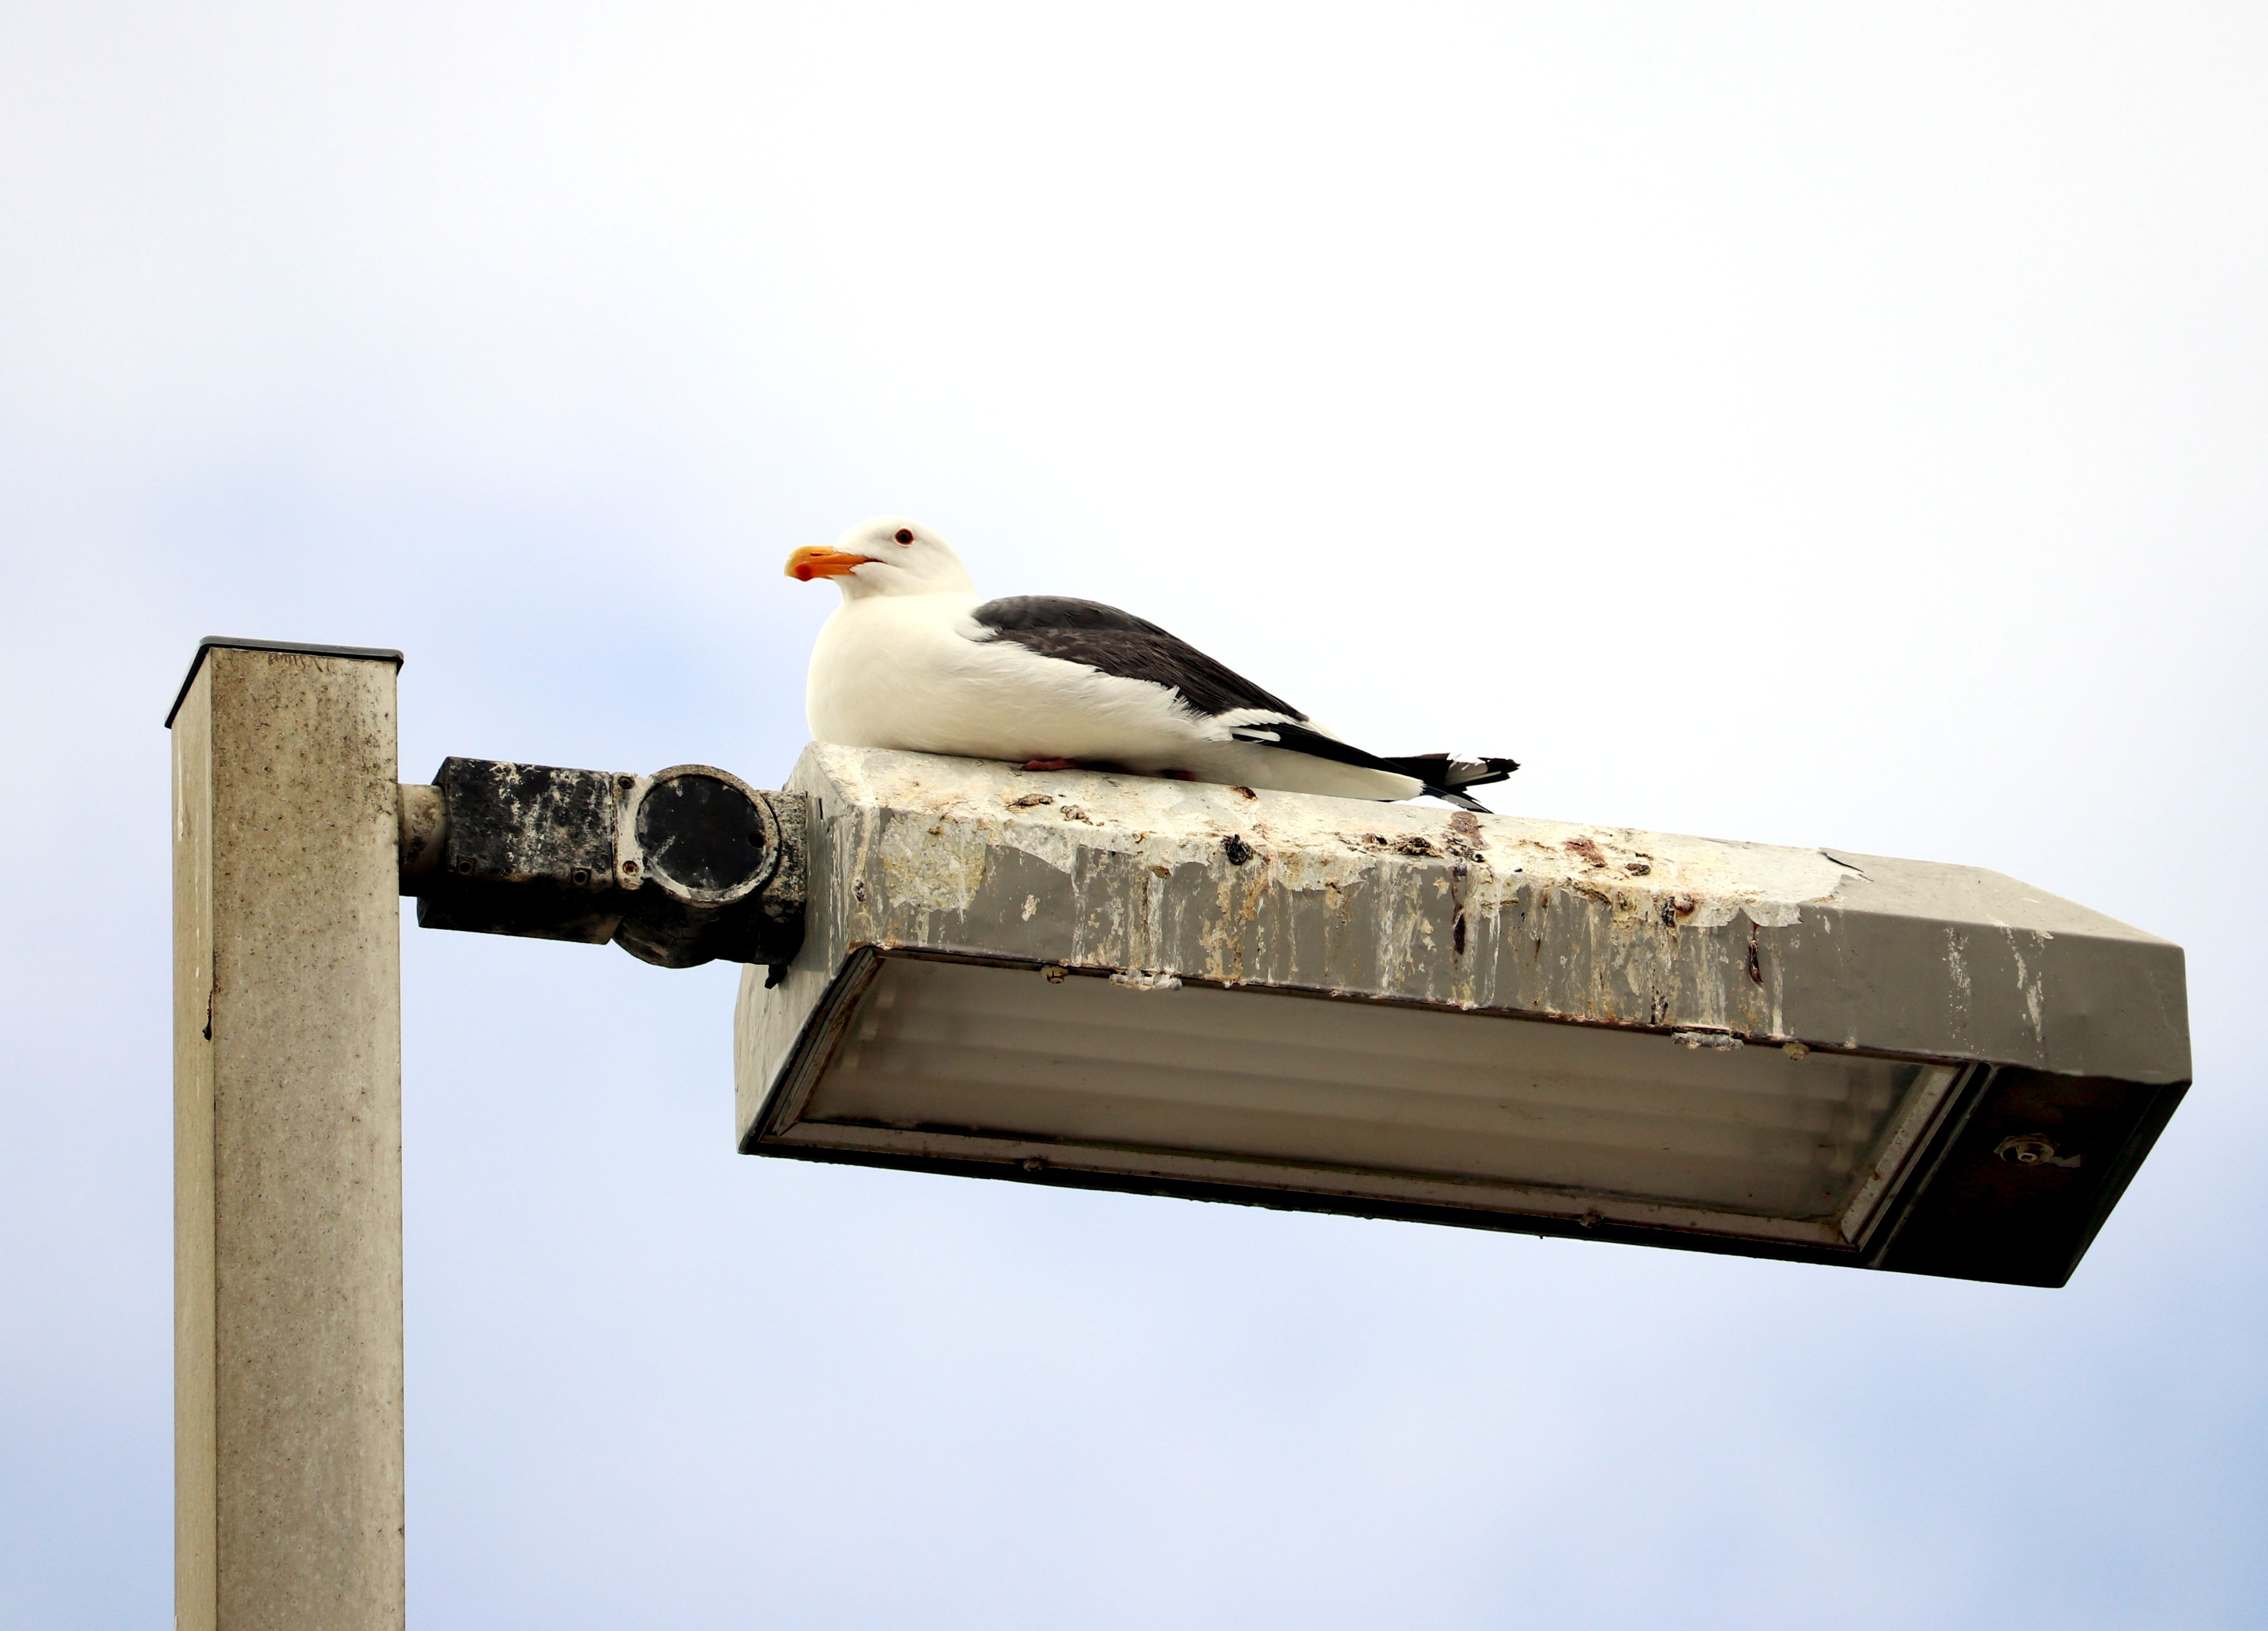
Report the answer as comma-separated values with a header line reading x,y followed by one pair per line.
x,y
904,534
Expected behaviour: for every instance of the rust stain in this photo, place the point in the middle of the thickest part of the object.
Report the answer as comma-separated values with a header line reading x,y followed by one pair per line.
x,y
1457,911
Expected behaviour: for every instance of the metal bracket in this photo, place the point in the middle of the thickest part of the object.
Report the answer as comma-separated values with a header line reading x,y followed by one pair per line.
x,y
678,868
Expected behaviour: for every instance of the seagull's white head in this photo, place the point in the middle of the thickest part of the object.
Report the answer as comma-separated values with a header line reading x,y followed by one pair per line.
x,y
888,555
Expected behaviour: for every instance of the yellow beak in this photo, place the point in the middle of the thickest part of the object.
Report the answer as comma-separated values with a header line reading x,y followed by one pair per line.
x,y
813,561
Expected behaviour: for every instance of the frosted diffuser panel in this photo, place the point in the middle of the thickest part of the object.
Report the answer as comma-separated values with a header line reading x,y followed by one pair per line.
x,y
1260,1089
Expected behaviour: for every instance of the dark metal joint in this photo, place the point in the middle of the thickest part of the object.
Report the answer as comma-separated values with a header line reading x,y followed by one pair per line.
x,y
685,866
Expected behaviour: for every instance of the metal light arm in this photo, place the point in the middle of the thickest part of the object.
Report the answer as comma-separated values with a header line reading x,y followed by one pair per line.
x,y
679,867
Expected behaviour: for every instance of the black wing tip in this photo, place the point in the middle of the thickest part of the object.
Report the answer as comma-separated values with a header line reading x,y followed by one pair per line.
x,y
1457,770
1440,775
1463,801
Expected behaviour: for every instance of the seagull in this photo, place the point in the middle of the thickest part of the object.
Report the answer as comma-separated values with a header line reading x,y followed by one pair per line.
x,y
912,659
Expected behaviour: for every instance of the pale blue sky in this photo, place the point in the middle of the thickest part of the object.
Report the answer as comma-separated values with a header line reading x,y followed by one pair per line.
x,y
1819,425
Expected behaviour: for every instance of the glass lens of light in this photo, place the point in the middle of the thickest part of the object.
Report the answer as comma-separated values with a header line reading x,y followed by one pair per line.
x,y
946,1048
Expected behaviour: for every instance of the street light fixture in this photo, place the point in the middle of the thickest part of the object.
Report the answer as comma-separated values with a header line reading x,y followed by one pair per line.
x,y
1124,983
1102,981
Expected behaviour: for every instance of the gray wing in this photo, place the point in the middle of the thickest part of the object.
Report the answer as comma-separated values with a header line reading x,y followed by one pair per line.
x,y
1120,644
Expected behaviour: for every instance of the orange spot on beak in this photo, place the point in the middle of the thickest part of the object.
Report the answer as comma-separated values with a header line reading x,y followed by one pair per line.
x,y
814,561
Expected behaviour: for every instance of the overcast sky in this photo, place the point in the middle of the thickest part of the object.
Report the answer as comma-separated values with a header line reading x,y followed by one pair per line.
x,y
1826,425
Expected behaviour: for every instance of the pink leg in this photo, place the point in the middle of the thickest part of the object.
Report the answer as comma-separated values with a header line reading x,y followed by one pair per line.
x,y
1051,764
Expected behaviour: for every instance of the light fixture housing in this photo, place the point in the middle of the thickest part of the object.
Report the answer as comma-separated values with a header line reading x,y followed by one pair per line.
x,y
1120,982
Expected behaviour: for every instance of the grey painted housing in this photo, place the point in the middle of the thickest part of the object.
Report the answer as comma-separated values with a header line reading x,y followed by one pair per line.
x,y
2070,1029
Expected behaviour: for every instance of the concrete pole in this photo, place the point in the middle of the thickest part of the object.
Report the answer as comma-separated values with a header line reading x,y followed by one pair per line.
x,y
287,1142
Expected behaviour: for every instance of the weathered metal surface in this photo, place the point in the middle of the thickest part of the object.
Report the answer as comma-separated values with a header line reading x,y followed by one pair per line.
x,y
1717,943
678,868
288,1442
715,869
231,643
421,827
1600,925
527,849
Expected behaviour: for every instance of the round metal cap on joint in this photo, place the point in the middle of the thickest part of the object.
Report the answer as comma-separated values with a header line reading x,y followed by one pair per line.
x,y
704,835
